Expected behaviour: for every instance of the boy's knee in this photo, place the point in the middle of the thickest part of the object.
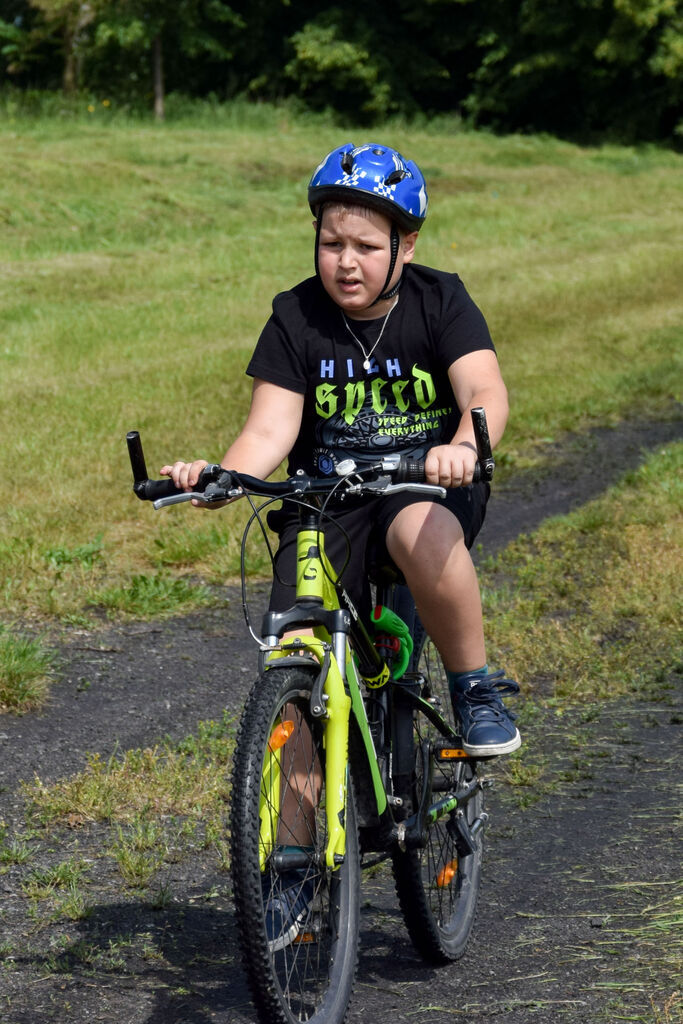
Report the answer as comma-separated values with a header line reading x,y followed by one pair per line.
x,y
424,532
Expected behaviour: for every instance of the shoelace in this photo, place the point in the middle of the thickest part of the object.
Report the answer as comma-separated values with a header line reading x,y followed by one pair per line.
x,y
489,691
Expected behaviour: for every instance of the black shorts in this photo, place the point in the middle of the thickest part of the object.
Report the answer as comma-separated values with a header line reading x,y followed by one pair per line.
x,y
358,533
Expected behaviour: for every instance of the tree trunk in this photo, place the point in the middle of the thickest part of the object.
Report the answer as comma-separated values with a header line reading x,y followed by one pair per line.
x,y
157,57
69,71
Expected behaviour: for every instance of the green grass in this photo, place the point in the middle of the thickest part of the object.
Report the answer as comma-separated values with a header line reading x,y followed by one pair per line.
x,y
25,669
138,263
589,607
161,805
183,779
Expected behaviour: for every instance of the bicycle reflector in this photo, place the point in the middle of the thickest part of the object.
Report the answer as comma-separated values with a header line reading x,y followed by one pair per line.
x,y
280,735
450,754
447,874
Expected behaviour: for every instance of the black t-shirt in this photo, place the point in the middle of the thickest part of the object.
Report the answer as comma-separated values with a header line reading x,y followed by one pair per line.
x,y
404,402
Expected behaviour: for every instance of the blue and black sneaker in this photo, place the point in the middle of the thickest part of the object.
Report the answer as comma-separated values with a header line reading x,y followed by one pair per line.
x,y
287,900
488,728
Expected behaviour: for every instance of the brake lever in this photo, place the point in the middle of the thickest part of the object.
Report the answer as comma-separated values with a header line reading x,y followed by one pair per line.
x,y
382,485
433,489
211,496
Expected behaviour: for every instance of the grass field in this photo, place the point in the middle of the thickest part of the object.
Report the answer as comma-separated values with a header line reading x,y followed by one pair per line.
x,y
138,263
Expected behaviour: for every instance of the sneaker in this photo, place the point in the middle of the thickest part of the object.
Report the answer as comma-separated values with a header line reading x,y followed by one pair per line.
x,y
488,728
287,899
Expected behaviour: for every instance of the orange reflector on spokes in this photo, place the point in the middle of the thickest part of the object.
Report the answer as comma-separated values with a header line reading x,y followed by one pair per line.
x,y
280,735
304,937
447,874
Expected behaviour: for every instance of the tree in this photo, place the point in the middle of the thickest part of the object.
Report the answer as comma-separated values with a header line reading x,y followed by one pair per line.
x,y
70,19
580,67
151,26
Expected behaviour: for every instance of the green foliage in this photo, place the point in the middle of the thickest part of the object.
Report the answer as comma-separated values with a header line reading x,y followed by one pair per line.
x,y
125,31
609,66
579,68
41,883
336,66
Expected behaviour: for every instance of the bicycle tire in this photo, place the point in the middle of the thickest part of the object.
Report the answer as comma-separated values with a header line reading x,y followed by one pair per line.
x,y
312,978
437,888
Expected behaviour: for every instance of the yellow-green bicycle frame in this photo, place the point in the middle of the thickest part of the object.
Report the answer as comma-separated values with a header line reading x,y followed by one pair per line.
x,y
342,695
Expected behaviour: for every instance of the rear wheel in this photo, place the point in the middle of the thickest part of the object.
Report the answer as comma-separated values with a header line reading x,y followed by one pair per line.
x,y
438,885
279,832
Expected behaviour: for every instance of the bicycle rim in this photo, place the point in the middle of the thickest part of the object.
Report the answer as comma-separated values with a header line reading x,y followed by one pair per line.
x,y
437,888
311,977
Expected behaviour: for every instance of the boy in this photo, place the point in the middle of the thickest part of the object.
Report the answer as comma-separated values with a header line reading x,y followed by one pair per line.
x,y
376,355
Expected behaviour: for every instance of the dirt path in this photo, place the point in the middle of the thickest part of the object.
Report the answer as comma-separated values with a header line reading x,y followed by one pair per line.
x,y
573,883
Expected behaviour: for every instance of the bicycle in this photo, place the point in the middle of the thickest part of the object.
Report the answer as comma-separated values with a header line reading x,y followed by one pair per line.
x,y
346,755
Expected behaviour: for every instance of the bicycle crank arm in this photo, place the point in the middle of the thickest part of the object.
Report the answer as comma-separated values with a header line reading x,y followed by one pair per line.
x,y
411,832
464,834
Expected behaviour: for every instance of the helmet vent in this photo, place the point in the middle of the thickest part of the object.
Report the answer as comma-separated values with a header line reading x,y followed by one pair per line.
x,y
395,177
347,162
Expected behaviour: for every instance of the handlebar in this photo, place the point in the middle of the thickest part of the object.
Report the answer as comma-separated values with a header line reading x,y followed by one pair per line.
x,y
388,475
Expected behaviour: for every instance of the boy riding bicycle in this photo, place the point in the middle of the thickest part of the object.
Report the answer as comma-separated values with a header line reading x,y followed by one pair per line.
x,y
376,355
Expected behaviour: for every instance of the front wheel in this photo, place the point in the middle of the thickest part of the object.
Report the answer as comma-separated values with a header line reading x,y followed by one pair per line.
x,y
297,920
438,885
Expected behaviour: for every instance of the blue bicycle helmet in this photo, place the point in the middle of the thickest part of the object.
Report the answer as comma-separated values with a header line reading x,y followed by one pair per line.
x,y
376,176
373,175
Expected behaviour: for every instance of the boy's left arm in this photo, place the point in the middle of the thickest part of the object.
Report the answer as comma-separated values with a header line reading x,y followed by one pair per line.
x,y
476,381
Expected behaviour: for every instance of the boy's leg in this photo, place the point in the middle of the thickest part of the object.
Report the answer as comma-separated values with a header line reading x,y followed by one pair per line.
x,y
426,541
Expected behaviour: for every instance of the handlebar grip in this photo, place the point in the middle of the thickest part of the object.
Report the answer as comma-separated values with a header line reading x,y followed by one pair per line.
x,y
410,471
146,489
152,490
413,471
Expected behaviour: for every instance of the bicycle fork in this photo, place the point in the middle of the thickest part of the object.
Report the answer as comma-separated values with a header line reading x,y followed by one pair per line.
x,y
329,700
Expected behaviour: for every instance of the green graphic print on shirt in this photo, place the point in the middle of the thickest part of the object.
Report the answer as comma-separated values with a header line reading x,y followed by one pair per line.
x,y
386,411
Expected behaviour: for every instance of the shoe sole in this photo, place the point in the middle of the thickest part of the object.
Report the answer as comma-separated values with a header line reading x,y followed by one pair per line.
x,y
493,749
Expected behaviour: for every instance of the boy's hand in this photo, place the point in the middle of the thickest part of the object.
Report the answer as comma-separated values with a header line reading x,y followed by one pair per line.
x,y
185,476
451,465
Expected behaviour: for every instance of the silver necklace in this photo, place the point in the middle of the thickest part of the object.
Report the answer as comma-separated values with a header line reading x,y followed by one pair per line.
x,y
366,361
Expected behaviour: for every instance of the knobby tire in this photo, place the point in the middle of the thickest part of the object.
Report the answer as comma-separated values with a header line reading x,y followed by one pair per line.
x,y
312,978
438,889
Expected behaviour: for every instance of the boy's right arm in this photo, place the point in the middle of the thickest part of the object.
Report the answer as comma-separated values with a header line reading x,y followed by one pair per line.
x,y
267,437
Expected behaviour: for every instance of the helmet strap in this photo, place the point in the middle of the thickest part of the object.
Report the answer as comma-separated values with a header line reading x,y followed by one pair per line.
x,y
318,226
389,294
